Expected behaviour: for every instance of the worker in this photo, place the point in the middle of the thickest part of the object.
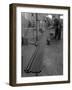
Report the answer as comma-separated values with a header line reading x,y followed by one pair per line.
x,y
57,27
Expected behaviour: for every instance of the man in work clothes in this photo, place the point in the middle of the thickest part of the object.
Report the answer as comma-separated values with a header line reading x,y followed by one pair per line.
x,y
57,26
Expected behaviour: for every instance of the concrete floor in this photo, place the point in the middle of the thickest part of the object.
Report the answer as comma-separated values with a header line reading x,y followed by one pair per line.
x,y
52,62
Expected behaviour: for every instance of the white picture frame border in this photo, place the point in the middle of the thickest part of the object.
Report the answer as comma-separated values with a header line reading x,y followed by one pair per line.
x,y
63,77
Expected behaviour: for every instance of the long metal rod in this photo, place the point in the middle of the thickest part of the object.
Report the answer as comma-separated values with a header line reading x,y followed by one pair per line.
x,y
36,27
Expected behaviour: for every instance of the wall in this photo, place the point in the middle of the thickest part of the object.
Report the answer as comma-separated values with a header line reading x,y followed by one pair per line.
x,y
4,45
